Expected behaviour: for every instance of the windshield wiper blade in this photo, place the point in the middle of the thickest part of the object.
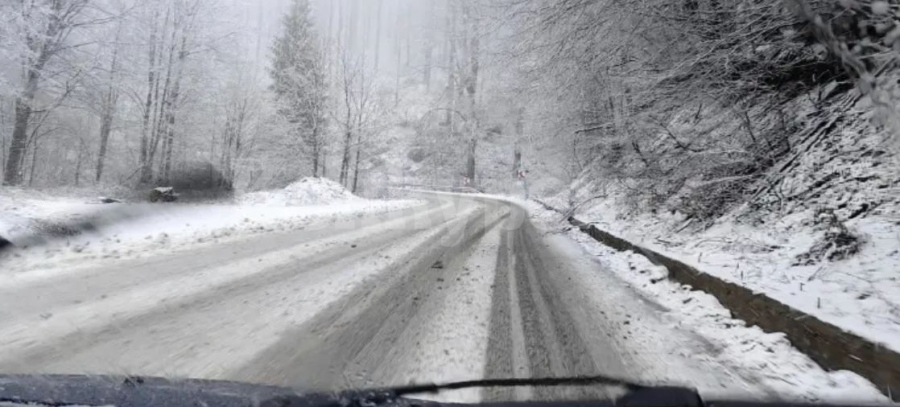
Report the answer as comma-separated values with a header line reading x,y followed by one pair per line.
x,y
636,394
532,382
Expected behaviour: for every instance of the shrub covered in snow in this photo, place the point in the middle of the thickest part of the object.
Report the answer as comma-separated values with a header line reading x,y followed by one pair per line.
x,y
837,243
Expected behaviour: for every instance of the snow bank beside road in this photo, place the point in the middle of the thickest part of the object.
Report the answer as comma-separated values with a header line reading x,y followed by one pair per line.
x,y
307,191
20,210
136,230
857,294
768,359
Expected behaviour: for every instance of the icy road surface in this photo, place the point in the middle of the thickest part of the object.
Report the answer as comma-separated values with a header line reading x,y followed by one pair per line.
x,y
460,288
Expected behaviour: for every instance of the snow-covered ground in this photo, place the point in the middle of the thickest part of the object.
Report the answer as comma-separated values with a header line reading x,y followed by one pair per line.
x,y
766,357
761,243
124,230
857,294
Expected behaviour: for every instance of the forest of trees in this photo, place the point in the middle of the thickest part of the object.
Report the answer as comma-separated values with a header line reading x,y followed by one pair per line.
x,y
131,92
123,92
696,106
683,99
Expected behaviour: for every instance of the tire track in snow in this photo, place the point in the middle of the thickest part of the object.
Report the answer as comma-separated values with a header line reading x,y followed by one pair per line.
x,y
376,335
73,328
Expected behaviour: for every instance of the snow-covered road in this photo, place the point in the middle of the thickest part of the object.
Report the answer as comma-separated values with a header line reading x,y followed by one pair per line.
x,y
459,288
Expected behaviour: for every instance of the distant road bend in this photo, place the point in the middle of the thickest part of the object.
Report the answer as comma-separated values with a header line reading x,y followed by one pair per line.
x,y
459,288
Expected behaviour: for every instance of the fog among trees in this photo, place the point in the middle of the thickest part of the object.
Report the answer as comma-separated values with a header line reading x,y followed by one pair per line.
x,y
686,99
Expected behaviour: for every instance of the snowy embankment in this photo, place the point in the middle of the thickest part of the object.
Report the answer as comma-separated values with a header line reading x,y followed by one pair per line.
x,y
857,294
123,230
768,359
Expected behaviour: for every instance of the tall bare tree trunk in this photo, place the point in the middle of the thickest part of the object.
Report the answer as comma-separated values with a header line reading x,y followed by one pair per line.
x,y
315,137
359,147
151,106
18,145
399,48
378,34
78,162
105,128
172,109
34,152
356,166
473,46
408,35
163,106
109,109
345,161
348,136
2,141
451,63
429,49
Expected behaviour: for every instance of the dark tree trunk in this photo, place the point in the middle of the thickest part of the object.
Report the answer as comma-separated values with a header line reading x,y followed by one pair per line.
x,y
472,46
167,157
109,110
356,169
159,129
172,108
19,143
517,162
34,153
150,105
409,13
470,160
78,163
345,161
399,48
104,142
429,50
3,149
315,153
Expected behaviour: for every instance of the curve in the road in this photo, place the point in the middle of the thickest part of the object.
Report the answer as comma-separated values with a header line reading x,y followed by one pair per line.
x,y
462,288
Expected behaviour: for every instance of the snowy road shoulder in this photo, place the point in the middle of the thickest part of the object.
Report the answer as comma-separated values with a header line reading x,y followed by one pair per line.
x,y
139,230
783,257
748,352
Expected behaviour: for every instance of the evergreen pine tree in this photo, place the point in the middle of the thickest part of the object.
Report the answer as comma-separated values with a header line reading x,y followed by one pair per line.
x,y
298,79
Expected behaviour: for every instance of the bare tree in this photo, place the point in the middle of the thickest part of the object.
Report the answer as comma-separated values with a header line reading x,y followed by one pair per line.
x,y
108,106
46,26
357,116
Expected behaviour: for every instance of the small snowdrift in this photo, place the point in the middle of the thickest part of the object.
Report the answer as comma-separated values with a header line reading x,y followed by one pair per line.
x,y
305,192
25,213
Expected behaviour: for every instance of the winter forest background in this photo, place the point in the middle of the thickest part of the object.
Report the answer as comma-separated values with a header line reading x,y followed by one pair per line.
x,y
129,93
755,140
693,106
